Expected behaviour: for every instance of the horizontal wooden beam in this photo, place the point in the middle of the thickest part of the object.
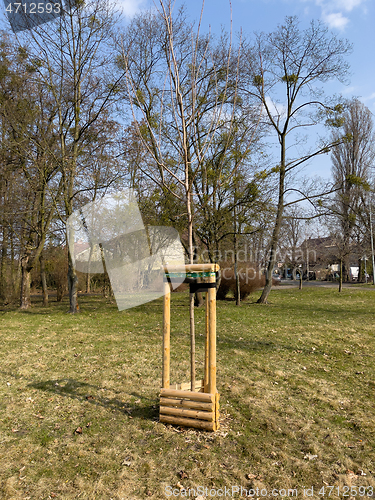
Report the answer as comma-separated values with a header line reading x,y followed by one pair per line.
x,y
194,396
183,412
186,403
190,268
188,422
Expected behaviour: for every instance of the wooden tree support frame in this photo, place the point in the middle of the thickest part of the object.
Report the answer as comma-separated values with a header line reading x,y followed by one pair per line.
x,y
197,408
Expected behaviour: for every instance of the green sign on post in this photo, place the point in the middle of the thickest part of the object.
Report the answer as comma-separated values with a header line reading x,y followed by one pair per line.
x,y
202,274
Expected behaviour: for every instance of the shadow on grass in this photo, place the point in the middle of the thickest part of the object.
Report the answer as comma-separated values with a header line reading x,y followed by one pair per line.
x,y
88,303
140,407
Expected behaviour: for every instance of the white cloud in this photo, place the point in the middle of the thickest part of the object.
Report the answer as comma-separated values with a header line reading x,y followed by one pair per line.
x,y
334,11
335,20
348,5
131,7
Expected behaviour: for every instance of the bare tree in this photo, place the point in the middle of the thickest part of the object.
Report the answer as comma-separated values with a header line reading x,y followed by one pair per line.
x,y
26,118
73,58
182,88
292,65
351,164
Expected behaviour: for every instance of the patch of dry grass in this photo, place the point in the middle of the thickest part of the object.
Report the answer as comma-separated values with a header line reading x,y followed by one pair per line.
x,y
79,398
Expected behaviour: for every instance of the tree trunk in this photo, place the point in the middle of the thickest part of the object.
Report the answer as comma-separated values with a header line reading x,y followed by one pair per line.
x,y
88,274
360,271
300,279
235,245
191,305
72,287
15,270
238,287
345,270
276,230
44,280
340,278
3,266
27,265
198,299
25,301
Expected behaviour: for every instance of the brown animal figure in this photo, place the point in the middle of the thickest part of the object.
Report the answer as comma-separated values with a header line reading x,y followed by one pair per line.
x,y
251,279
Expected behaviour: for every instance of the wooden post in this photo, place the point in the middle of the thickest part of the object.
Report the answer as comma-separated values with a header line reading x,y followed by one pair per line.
x,y
192,343
166,336
206,349
212,337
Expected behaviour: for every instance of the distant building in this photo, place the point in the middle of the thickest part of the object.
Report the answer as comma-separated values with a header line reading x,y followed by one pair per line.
x,y
322,255
320,258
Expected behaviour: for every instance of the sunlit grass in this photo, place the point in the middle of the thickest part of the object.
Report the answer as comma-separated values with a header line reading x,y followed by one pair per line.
x,y
296,379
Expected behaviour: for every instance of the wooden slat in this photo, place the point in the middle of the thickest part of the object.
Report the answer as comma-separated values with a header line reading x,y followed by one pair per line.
x,y
217,406
183,412
191,268
199,384
206,347
186,403
187,422
212,340
192,342
166,335
195,396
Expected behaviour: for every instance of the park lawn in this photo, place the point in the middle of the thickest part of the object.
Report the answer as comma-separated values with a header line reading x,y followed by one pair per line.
x,y
79,398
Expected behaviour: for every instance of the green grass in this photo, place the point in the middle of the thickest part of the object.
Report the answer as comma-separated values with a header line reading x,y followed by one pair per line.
x,y
296,379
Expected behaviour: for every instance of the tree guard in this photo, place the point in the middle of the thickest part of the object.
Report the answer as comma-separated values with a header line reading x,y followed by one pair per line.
x,y
199,406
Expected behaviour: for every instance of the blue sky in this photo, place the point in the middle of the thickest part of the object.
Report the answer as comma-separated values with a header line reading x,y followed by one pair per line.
x,y
351,19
